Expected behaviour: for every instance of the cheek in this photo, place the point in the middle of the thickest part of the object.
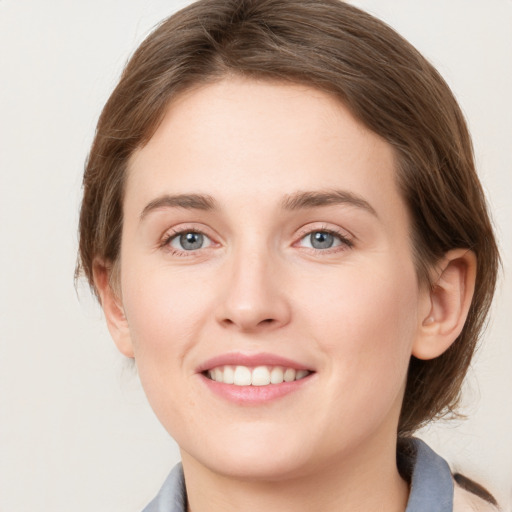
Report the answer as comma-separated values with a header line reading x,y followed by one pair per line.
x,y
367,323
164,311
166,318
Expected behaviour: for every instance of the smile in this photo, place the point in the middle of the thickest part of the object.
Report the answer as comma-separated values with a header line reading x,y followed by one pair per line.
x,y
255,376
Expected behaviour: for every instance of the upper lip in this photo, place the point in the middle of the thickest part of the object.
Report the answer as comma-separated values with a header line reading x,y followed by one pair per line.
x,y
251,360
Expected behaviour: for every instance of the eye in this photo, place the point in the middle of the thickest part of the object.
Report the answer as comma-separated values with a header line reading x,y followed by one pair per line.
x,y
324,239
189,241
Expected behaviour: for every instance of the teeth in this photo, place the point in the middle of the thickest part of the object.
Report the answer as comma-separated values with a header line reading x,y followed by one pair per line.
x,y
289,375
217,374
242,376
228,376
276,375
258,376
301,374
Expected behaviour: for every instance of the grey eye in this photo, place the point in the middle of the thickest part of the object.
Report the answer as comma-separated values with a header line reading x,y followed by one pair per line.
x,y
321,240
189,241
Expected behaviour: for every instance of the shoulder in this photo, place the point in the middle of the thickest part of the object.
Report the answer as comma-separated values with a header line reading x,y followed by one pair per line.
x,y
466,501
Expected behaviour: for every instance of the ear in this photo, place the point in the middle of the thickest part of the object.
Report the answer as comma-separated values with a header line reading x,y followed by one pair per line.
x,y
447,305
112,308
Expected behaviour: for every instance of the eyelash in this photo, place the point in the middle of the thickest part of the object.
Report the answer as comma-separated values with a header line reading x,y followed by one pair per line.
x,y
170,236
346,242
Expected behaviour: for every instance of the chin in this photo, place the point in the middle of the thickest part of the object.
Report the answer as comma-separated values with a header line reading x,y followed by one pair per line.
x,y
264,458
263,469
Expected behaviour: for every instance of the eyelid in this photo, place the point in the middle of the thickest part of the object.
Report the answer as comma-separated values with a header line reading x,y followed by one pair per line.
x,y
174,232
346,238
177,237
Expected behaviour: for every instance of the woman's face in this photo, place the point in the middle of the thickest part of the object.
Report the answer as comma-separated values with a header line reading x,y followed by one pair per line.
x,y
263,228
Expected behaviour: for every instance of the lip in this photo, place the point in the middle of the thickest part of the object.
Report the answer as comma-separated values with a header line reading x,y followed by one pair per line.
x,y
251,360
253,395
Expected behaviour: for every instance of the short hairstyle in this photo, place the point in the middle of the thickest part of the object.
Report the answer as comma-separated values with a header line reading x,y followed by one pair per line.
x,y
385,83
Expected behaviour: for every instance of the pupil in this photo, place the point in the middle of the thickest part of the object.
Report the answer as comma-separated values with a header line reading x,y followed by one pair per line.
x,y
321,240
191,241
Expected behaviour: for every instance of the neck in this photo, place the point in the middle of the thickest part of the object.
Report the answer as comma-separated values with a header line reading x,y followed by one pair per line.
x,y
367,479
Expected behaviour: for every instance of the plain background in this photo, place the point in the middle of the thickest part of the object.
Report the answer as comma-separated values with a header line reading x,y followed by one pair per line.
x,y
75,430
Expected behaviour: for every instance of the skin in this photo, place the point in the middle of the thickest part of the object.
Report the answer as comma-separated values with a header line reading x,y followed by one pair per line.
x,y
353,313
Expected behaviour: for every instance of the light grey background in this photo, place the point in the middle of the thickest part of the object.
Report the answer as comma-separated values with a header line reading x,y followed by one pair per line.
x,y
75,431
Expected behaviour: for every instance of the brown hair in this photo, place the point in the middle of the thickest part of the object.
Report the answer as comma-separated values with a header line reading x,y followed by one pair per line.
x,y
379,76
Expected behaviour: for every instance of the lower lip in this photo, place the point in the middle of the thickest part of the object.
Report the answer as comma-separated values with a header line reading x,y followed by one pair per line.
x,y
254,395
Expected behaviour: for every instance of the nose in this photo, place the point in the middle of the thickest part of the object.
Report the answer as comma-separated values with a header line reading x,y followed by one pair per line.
x,y
255,297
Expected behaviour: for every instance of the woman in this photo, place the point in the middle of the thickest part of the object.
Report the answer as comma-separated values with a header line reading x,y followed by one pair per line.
x,y
283,224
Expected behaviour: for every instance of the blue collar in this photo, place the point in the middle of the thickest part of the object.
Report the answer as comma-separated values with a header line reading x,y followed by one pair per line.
x,y
431,480
431,483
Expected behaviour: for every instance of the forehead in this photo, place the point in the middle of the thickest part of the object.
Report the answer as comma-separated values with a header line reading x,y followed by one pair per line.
x,y
261,140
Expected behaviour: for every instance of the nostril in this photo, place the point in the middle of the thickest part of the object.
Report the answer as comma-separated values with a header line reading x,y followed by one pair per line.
x,y
249,325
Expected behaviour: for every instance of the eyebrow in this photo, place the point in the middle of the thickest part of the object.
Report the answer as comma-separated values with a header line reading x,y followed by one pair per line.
x,y
314,199
186,201
291,202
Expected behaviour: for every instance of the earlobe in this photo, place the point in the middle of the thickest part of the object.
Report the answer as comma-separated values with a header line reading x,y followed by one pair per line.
x,y
449,302
112,308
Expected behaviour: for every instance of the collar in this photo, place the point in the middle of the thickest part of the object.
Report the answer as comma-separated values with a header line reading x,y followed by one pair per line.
x,y
430,477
